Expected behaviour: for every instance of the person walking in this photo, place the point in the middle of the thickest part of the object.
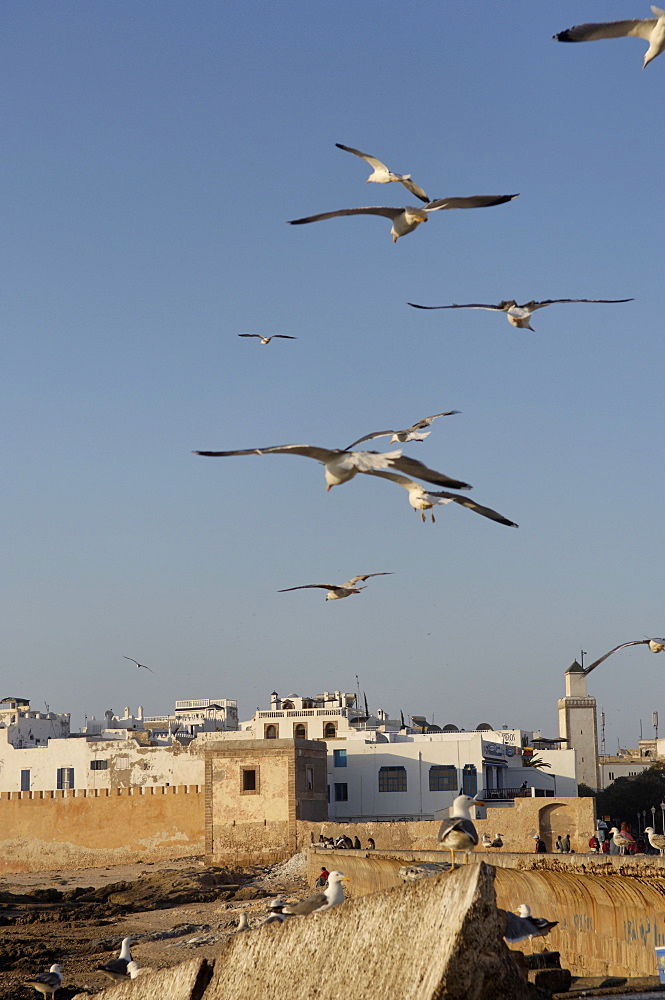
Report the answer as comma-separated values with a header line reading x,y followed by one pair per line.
x,y
566,844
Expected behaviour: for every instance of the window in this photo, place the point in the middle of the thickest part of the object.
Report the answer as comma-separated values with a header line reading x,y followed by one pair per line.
x,y
443,778
270,732
610,775
249,780
300,731
328,794
25,781
341,791
99,765
392,779
65,777
469,780
309,778
330,731
339,757
288,706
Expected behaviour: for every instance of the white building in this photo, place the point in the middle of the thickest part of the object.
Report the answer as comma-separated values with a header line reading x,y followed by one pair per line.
x,y
578,726
23,727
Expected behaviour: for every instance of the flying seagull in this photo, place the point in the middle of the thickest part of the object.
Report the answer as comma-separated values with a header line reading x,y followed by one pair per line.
x,y
266,340
405,220
46,983
382,175
657,840
331,896
139,666
518,316
117,968
522,925
457,833
651,29
655,645
340,466
422,500
336,592
411,433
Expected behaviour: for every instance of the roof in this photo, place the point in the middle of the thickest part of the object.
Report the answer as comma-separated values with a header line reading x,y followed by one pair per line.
x,y
575,668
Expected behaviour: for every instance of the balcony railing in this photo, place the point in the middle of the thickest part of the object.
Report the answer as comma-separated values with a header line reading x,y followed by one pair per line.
x,y
494,794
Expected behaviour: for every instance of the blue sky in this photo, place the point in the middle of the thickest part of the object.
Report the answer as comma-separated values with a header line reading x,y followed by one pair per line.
x,y
154,152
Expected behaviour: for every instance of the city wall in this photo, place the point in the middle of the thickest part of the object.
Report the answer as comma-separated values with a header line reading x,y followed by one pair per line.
x,y
87,828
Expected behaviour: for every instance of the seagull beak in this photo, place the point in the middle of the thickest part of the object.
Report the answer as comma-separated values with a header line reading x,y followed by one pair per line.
x,y
328,487
479,802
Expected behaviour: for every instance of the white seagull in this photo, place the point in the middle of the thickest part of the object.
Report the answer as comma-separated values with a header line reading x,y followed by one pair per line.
x,y
382,175
117,968
135,970
457,833
337,592
656,840
651,29
46,983
266,340
518,316
340,466
405,220
522,925
488,842
411,433
655,645
623,842
139,666
332,896
422,499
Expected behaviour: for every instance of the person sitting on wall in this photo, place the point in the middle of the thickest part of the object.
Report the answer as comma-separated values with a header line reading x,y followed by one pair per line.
x,y
625,831
340,843
371,846
322,880
357,846
594,844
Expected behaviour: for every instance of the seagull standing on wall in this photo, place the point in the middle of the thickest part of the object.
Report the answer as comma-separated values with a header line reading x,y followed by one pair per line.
x,y
117,968
651,29
458,833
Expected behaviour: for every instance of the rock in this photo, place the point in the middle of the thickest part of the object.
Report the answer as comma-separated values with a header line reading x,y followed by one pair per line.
x,y
551,980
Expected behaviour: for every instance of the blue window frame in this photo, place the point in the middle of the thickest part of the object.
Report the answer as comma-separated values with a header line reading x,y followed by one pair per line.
x,y
339,757
443,778
392,779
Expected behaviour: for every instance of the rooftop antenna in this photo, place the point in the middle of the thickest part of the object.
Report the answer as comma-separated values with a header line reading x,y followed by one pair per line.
x,y
654,722
640,729
357,692
602,731
582,655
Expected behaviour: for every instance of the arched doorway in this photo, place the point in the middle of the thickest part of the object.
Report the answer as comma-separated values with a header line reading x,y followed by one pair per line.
x,y
557,820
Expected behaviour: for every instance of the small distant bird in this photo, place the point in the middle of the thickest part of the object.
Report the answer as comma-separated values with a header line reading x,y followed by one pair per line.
x,y
117,968
522,925
382,175
46,983
622,841
411,433
651,29
405,220
518,316
422,499
139,666
656,840
336,592
276,916
332,896
458,833
266,340
655,645
340,466
488,842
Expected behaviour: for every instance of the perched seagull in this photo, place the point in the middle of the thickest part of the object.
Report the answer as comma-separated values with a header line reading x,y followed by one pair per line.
x,y
46,983
382,175
518,316
488,842
266,340
117,968
340,466
655,645
405,220
276,916
411,433
651,29
243,923
331,896
336,592
623,842
457,833
656,840
422,499
139,666
522,925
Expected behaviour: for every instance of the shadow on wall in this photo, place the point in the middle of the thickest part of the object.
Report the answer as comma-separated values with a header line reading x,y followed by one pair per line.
x,y
556,821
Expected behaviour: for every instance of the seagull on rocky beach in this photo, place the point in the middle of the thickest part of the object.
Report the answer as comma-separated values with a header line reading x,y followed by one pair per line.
x,y
458,833
336,592
340,466
117,968
411,433
651,29
332,896
139,666
266,340
521,925
518,316
382,175
657,840
405,220
655,645
46,983
422,499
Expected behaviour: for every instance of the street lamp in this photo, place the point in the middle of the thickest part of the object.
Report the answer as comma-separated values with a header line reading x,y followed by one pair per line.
x,y
638,822
662,814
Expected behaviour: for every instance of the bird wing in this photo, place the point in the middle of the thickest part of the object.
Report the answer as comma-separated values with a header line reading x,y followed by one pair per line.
x,y
596,663
356,579
282,336
306,450
468,305
532,306
458,823
132,659
641,28
412,467
307,586
414,189
388,213
369,437
251,335
117,965
475,201
307,905
146,668
372,160
426,421
48,978
408,484
477,508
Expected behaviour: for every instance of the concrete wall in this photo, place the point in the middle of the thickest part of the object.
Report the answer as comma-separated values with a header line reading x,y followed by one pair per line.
x,y
78,829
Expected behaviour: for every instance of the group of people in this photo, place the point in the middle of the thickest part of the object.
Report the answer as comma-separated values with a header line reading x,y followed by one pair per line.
x,y
601,842
345,843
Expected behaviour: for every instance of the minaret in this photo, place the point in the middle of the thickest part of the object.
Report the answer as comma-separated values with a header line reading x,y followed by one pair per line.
x,y
577,725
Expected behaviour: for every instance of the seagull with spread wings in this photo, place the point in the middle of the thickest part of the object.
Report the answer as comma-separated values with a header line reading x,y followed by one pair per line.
x,y
411,433
266,340
651,29
335,592
340,466
518,316
655,645
422,499
139,666
405,220
382,175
